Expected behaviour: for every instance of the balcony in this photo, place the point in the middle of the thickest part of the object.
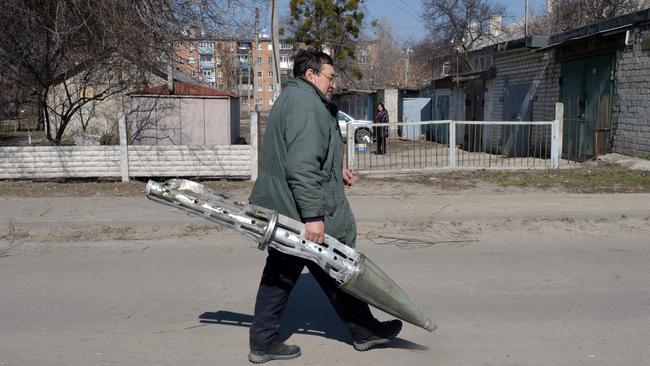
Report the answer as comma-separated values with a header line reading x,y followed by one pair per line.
x,y
206,65
206,50
243,64
245,89
286,65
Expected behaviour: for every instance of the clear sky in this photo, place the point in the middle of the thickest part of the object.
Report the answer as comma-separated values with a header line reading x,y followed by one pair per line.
x,y
403,14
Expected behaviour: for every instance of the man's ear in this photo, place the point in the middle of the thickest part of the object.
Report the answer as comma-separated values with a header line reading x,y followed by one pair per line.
x,y
309,74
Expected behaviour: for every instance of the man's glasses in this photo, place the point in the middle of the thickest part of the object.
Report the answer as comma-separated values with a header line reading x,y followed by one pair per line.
x,y
331,77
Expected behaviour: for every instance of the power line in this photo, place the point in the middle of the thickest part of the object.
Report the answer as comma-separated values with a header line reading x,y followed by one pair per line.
x,y
365,8
405,11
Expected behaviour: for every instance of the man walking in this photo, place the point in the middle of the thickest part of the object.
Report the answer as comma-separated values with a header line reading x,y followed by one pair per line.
x,y
302,177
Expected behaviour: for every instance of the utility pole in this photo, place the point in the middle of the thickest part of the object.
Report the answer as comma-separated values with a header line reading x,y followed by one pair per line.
x,y
248,78
526,18
276,45
257,41
457,45
240,72
407,52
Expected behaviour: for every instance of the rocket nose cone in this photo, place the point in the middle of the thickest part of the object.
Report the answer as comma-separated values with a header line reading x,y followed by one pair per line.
x,y
430,326
370,284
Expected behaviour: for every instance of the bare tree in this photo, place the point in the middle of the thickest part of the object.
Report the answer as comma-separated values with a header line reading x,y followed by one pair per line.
x,y
462,25
58,49
569,14
425,61
388,62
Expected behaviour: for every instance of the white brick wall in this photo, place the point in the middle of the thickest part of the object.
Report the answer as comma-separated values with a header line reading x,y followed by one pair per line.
x,y
391,102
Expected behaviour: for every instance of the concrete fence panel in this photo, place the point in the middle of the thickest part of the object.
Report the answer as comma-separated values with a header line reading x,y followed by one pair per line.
x,y
35,162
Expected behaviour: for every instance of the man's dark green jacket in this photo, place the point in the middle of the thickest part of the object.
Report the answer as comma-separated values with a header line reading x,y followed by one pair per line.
x,y
301,162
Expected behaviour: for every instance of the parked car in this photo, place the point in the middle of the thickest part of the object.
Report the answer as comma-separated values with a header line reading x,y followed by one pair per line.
x,y
363,128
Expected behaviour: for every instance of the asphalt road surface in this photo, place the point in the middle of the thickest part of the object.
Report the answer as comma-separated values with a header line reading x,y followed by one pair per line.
x,y
550,279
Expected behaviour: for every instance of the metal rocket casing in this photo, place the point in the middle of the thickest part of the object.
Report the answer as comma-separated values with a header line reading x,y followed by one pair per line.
x,y
371,285
355,273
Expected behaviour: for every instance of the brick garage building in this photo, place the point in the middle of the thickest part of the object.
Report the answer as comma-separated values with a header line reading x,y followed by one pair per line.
x,y
604,85
631,109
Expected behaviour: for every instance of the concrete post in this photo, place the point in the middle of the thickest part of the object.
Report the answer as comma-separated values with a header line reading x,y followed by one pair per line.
x,y
350,146
452,144
124,147
559,116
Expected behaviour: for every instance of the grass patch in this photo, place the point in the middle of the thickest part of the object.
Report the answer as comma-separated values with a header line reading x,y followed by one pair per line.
x,y
596,179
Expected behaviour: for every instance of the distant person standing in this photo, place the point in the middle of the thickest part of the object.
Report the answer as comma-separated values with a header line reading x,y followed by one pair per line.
x,y
381,116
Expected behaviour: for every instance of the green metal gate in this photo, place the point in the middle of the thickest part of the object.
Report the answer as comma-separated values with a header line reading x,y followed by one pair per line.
x,y
586,91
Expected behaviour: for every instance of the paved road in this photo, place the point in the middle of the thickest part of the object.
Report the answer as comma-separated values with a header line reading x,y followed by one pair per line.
x,y
531,288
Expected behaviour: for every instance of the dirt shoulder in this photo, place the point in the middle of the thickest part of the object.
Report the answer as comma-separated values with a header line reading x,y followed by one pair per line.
x,y
595,177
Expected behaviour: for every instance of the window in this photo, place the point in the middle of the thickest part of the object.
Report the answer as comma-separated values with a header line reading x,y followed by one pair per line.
x,y
179,60
179,45
220,74
193,73
87,92
270,47
206,57
191,46
270,101
270,60
270,87
271,74
191,59
221,86
284,58
259,74
259,60
260,87
231,46
446,68
259,46
218,60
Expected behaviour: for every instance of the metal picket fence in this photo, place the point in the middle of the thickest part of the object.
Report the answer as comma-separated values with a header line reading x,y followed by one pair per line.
x,y
453,144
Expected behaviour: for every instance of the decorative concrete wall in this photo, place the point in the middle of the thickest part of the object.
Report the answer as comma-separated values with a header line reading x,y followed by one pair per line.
x,y
37,162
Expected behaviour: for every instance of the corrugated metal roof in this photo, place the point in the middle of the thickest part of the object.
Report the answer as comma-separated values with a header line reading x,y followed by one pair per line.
x,y
181,88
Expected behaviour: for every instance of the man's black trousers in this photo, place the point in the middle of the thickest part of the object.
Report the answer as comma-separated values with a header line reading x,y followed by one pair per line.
x,y
278,279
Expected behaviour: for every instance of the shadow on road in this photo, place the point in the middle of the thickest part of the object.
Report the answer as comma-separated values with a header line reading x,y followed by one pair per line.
x,y
308,312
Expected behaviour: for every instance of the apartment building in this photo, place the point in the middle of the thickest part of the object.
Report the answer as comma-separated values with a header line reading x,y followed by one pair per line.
x,y
241,66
